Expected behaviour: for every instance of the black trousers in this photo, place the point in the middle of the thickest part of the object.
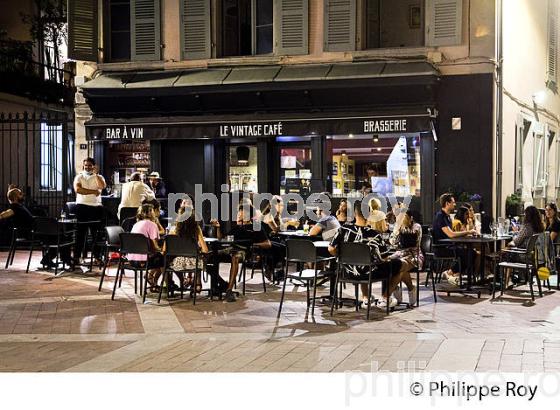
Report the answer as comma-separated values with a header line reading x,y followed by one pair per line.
x,y
87,213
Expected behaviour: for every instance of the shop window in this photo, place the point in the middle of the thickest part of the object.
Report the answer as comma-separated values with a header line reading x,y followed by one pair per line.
x,y
394,23
51,157
362,164
247,27
242,168
551,165
557,169
295,170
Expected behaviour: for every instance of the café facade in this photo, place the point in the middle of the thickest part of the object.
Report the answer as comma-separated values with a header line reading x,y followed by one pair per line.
x,y
344,128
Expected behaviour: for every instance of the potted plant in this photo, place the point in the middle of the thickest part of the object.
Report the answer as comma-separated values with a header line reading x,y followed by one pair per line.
x,y
514,205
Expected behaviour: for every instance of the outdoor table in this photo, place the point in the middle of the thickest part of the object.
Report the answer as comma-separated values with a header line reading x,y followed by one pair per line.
x,y
469,242
291,234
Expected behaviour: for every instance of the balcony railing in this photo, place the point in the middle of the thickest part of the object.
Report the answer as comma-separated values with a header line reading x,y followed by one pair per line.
x,y
21,75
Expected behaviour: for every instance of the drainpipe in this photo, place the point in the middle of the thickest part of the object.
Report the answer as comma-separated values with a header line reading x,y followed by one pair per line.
x,y
499,105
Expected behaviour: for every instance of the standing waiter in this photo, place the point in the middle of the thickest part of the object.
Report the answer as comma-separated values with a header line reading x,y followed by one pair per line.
x,y
88,186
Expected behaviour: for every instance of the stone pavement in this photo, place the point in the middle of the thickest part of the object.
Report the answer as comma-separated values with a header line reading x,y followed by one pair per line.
x,y
65,324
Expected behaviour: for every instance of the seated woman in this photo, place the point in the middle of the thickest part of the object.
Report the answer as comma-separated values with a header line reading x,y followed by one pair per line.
x,y
377,218
157,213
407,237
273,219
361,232
145,226
532,224
461,221
342,211
552,221
246,231
190,229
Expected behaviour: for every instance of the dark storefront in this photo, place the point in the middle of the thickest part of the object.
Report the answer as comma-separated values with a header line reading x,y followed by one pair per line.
x,y
272,129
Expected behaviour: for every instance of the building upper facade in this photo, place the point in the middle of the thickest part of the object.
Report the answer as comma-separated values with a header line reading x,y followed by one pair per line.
x,y
175,34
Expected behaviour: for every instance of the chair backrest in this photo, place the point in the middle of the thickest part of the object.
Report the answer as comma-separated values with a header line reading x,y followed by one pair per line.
x,y
354,253
134,243
128,223
127,212
426,244
177,246
300,250
113,235
543,249
45,226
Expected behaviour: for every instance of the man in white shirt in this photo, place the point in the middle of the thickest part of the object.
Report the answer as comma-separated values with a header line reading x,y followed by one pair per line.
x,y
88,186
134,193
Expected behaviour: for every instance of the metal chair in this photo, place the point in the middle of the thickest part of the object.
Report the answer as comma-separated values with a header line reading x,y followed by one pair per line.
x,y
528,263
429,257
112,243
49,234
301,252
20,239
138,244
437,264
354,255
128,223
184,247
256,258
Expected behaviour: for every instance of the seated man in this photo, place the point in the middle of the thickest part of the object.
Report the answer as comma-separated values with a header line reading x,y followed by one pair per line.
x,y
245,231
443,229
20,217
327,226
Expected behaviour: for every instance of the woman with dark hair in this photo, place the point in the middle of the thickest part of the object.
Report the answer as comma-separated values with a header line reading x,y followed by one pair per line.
x,y
532,224
190,229
552,220
460,222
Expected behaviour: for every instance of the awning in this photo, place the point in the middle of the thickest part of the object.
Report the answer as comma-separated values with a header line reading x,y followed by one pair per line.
x,y
257,126
276,74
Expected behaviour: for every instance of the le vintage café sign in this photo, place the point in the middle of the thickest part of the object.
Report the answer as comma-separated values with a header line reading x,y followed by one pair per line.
x,y
289,127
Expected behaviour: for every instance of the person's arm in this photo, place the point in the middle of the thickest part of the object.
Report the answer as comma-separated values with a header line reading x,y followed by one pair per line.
x,y
450,234
148,194
553,236
84,191
99,179
264,244
316,230
8,213
216,225
202,242
520,238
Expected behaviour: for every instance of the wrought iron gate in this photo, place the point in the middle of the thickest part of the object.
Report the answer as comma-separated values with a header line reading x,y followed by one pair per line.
x,y
37,155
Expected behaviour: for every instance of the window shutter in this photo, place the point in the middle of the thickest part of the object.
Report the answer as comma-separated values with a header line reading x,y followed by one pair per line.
x,y
444,22
291,27
340,25
82,30
195,29
552,54
145,30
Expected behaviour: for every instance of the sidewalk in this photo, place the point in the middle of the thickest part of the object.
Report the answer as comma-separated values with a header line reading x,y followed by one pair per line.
x,y
65,324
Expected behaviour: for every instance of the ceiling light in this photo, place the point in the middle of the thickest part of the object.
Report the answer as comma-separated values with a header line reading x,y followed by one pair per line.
x,y
350,135
378,149
376,138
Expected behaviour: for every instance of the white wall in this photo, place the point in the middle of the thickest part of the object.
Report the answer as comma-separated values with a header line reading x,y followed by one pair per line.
x,y
525,57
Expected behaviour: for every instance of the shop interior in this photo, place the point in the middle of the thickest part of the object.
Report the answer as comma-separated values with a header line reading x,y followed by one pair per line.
x,y
382,164
124,158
